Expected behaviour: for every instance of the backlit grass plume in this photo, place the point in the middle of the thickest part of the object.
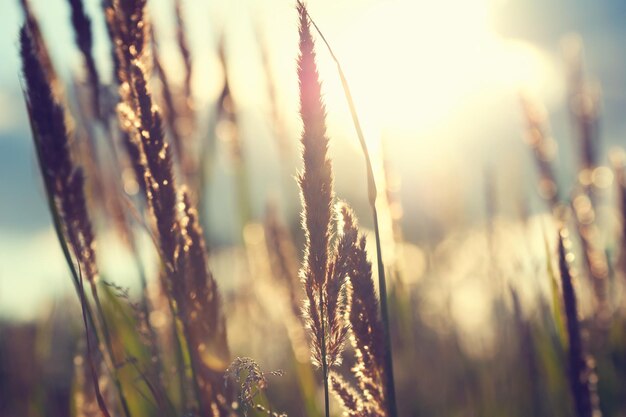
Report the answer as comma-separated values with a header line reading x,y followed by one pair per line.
x,y
143,123
187,279
366,330
316,185
206,328
329,265
365,324
347,396
320,275
128,35
372,197
63,180
189,284
41,50
84,39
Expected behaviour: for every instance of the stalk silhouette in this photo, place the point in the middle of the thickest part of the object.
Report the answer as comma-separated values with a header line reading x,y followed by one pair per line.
x,y
372,193
63,179
324,304
585,400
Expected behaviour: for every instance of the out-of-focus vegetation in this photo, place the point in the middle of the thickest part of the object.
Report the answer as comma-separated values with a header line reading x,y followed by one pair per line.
x,y
524,315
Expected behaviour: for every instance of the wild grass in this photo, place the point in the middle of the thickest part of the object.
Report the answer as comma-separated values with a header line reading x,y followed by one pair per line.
x,y
385,341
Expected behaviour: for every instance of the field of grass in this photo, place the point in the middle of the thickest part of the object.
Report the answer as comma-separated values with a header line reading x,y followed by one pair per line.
x,y
517,316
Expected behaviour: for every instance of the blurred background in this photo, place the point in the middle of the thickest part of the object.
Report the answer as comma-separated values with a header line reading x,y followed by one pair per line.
x,y
437,83
468,235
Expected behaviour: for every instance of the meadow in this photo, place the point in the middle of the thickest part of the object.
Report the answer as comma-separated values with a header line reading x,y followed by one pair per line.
x,y
340,311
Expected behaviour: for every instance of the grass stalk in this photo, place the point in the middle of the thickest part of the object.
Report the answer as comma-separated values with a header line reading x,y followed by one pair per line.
x,y
108,343
324,360
180,358
145,310
94,375
579,373
372,193
76,276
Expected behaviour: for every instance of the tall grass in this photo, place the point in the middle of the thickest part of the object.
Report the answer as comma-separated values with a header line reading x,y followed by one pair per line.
x,y
304,300
372,194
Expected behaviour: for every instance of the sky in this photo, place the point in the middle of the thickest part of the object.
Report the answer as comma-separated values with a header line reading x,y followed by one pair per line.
x,y
437,81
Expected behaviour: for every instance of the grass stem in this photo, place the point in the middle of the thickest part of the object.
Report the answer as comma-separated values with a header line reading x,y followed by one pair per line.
x,y
324,360
371,188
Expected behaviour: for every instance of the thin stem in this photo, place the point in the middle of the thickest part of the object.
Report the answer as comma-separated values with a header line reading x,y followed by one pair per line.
x,y
94,375
178,353
109,348
390,389
76,275
195,366
145,308
371,184
324,361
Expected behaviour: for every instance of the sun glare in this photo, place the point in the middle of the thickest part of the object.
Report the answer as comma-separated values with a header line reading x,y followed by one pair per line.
x,y
412,64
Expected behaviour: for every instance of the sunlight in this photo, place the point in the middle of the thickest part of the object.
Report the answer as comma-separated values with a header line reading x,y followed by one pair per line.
x,y
411,64
189,225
